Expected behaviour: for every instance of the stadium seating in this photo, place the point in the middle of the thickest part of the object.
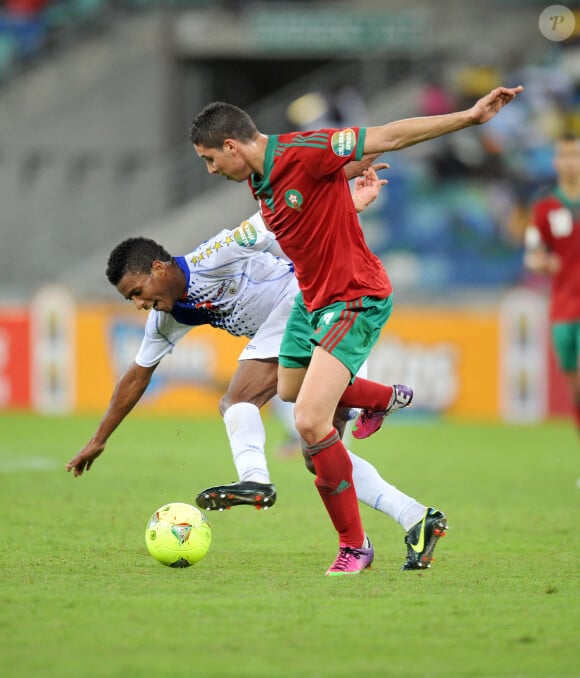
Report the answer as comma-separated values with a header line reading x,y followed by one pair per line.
x,y
8,50
445,217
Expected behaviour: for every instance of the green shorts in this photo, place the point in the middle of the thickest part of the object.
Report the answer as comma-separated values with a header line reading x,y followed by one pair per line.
x,y
566,341
346,329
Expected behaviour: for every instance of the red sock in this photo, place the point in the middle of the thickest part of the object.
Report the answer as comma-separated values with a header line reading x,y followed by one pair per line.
x,y
366,394
336,488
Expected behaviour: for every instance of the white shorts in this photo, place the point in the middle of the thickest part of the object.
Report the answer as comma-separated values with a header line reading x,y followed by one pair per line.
x,y
266,342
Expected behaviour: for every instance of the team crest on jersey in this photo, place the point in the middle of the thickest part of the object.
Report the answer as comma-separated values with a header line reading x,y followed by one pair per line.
x,y
294,199
561,222
246,234
343,142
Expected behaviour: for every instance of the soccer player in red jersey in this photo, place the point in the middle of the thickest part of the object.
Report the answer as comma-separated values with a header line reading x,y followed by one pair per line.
x,y
552,246
346,295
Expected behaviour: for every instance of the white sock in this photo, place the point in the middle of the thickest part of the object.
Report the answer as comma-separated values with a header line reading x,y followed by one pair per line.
x,y
285,413
247,439
348,429
377,493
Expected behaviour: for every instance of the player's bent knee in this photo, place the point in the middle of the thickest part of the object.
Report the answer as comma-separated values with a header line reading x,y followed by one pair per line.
x,y
289,383
288,395
310,428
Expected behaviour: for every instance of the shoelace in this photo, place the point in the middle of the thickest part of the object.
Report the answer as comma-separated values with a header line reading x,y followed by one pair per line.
x,y
369,415
343,555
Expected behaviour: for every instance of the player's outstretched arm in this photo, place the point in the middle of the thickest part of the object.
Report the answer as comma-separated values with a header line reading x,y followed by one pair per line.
x,y
126,395
403,133
367,188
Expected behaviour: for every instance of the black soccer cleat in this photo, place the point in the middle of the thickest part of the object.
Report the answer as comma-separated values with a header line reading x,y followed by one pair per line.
x,y
242,493
422,538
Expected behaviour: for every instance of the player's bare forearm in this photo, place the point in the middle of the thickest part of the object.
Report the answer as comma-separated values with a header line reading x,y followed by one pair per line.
x,y
126,395
404,133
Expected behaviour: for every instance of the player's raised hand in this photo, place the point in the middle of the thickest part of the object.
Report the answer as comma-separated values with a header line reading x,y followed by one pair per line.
x,y
355,168
542,261
367,187
84,459
485,109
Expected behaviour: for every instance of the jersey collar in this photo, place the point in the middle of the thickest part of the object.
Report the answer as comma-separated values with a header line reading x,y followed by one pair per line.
x,y
260,184
185,268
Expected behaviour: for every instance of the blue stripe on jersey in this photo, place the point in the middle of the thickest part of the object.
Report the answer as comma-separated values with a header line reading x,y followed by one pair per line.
x,y
185,268
187,314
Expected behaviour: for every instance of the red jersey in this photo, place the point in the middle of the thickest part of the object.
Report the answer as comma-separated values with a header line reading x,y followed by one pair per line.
x,y
558,222
306,201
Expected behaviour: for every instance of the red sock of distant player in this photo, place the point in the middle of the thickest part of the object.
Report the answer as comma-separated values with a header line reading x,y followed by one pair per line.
x,y
336,488
366,394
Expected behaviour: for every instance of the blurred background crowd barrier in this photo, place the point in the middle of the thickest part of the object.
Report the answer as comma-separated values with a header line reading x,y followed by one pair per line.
x,y
476,363
96,100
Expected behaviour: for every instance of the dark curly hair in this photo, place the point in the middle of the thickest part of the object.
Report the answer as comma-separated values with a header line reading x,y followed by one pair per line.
x,y
220,121
134,255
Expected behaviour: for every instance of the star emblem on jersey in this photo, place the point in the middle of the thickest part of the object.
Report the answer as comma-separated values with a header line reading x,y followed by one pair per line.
x,y
294,199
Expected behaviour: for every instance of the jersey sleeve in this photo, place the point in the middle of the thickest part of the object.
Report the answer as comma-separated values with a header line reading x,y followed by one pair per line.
x,y
340,147
162,332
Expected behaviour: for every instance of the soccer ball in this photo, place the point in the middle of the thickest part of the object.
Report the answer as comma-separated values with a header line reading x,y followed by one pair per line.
x,y
178,535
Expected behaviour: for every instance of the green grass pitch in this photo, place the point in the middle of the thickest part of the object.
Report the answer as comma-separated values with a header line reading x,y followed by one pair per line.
x,y
80,596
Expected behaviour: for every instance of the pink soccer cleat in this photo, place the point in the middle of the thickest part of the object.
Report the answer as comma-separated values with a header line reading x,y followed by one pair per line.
x,y
370,421
351,561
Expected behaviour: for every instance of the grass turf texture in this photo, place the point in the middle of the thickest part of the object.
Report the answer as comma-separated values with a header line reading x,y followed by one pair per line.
x,y
81,596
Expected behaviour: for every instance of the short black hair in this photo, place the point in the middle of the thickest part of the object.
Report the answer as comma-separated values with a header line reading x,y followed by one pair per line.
x,y
134,255
220,121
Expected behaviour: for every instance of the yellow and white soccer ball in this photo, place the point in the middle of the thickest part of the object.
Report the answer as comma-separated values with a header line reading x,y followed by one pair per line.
x,y
178,535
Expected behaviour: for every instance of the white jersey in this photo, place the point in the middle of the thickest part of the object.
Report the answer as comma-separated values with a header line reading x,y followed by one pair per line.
x,y
238,281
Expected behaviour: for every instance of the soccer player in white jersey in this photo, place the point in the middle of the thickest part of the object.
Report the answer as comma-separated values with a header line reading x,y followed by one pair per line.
x,y
239,281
